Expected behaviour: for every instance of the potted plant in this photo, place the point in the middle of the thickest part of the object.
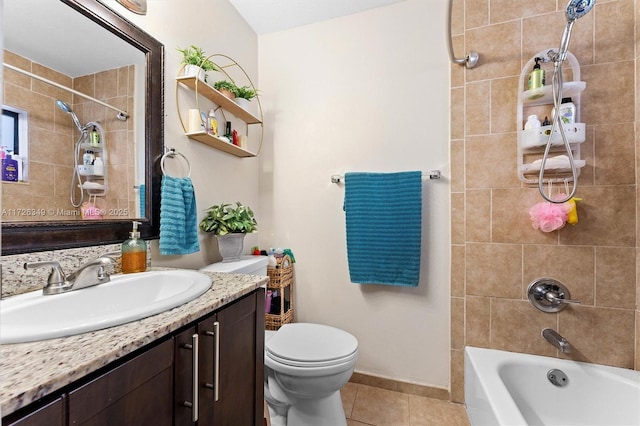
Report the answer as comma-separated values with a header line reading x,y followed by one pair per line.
x,y
227,88
244,95
196,62
229,224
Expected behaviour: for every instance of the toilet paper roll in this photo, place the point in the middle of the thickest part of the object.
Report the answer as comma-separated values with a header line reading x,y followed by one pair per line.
x,y
195,122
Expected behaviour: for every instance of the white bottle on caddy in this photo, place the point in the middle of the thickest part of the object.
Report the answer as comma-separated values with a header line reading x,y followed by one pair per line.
x,y
567,111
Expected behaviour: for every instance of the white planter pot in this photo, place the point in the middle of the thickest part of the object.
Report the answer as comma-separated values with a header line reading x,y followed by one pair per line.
x,y
230,246
243,103
194,71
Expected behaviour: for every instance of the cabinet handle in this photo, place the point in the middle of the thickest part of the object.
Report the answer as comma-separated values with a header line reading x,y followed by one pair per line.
x,y
208,385
216,361
195,373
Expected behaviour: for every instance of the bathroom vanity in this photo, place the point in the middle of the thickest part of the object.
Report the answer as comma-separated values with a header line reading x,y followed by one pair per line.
x,y
199,363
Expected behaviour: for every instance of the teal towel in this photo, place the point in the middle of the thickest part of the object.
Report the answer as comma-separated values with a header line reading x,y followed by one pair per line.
x,y
384,227
178,217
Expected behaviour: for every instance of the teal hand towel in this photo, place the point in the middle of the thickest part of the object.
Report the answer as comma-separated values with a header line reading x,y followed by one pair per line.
x,y
178,217
383,214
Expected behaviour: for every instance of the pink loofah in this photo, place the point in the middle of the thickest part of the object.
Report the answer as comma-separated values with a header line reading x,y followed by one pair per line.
x,y
548,217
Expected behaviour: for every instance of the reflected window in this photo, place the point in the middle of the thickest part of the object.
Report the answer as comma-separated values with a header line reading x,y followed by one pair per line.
x,y
14,142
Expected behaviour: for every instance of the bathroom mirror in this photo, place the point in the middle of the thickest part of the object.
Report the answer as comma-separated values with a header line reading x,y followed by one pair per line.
x,y
147,140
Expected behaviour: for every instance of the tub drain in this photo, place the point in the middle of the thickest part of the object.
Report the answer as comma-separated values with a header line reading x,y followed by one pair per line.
x,y
557,377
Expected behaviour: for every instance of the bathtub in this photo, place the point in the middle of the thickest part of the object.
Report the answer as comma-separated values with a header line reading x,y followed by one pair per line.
x,y
506,388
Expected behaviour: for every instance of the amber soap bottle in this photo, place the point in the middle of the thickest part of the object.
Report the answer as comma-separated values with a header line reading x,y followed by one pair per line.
x,y
134,252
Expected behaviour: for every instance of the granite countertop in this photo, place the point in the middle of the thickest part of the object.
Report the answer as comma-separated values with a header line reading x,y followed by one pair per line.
x,y
29,371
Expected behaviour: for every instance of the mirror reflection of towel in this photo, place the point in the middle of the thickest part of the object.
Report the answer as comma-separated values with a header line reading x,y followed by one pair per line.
x,y
383,214
178,217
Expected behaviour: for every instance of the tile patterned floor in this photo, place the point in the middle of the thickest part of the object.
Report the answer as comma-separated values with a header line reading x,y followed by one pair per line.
x,y
369,406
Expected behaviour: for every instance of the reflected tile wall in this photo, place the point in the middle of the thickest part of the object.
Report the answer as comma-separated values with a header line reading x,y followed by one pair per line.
x,y
495,251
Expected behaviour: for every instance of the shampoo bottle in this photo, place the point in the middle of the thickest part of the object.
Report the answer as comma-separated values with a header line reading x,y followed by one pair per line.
x,y
134,252
536,81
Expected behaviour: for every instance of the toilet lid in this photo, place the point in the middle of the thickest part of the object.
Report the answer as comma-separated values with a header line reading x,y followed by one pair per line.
x,y
303,343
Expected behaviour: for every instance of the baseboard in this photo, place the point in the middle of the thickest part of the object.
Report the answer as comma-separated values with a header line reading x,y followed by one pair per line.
x,y
398,386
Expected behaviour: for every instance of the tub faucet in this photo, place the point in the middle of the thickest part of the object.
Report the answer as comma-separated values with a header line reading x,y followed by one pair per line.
x,y
557,340
90,274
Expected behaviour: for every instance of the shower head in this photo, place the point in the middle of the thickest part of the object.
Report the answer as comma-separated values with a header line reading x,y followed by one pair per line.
x,y
576,9
66,108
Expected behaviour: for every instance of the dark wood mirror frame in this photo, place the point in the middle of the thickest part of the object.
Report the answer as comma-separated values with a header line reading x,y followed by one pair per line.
x,y
28,237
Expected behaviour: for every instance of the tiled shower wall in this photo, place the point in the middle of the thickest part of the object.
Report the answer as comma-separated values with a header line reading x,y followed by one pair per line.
x,y
495,251
52,137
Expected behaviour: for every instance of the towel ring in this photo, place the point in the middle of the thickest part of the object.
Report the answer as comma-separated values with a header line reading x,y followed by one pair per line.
x,y
170,153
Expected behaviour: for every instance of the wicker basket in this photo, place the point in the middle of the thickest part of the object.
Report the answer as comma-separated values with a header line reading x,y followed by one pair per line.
x,y
281,279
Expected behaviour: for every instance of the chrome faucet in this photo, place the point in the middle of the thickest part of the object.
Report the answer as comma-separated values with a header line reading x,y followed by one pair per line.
x,y
557,340
90,274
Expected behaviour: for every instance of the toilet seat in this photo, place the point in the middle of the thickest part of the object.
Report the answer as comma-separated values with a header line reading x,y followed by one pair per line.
x,y
311,345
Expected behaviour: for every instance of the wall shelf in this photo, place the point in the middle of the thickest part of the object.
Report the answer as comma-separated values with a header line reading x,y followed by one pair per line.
x,y
222,145
221,103
219,99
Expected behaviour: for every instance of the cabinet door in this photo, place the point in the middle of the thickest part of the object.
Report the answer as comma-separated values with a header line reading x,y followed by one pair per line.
x,y
137,392
240,393
50,414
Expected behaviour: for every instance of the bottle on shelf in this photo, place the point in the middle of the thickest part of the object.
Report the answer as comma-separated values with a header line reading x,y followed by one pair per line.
x,y
567,111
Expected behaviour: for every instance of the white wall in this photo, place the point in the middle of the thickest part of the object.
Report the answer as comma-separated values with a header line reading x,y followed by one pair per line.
x,y
366,92
217,27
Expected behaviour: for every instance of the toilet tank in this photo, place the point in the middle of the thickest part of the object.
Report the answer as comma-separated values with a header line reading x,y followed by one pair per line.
x,y
250,265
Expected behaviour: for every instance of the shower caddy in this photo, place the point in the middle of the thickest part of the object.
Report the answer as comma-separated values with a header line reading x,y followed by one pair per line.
x,y
202,89
531,142
92,182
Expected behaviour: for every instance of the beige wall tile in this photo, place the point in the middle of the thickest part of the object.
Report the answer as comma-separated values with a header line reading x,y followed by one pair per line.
x,y
457,71
606,217
457,113
478,215
572,266
494,270
600,335
612,102
517,326
491,161
478,321
457,218
457,323
457,270
615,154
510,218
457,165
457,376
504,97
614,29
499,47
545,31
505,10
476,14
616,277
477,108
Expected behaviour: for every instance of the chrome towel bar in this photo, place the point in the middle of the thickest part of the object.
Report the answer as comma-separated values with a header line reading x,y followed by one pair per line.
x,y
433,174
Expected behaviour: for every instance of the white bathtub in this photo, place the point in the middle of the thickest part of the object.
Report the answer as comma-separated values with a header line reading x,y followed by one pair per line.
x,y
506,388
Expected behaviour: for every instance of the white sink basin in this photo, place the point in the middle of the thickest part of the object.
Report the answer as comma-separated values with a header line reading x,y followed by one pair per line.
x,y
32,316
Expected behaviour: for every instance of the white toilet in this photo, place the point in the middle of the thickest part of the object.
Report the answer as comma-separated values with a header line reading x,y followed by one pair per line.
x,y
305,364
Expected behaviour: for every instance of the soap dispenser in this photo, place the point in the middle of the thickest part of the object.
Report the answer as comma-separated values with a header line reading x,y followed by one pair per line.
x,y
134,252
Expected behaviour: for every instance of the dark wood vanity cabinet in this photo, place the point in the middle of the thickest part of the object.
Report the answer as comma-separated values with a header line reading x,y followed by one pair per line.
x,y
156,386
228,368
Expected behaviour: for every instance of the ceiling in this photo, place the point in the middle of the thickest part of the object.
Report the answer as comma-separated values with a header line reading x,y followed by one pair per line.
x,y
268,16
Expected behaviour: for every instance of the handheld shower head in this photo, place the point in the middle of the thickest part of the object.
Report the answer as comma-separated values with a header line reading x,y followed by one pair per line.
x,y
576,9
66,108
